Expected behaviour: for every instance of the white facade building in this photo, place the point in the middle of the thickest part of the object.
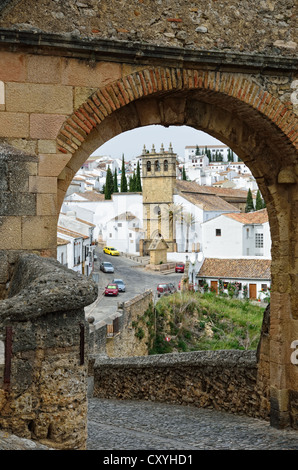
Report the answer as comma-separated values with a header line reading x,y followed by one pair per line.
x,y
240,277
232,235
191,151
80,249
123,232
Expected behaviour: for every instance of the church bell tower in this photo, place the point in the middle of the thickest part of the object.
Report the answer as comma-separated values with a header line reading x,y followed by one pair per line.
x,y
158,182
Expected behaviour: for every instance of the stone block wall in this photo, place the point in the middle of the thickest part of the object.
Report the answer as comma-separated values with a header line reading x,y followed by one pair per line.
x,y
43,389
123,342
225,380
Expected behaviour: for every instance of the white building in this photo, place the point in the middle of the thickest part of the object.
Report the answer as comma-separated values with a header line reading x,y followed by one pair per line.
x,y
232,235
74,249
62,250
94,208
123,232
246,278
198,204
191,151
80,249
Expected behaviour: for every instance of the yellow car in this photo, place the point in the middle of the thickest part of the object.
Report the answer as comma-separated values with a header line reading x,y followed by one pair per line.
x,y
109,250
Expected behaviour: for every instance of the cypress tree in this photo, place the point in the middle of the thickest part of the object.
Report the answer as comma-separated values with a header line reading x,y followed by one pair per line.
x,y
259,201
109,186
249,202
123,186
132,183
115,182
183,173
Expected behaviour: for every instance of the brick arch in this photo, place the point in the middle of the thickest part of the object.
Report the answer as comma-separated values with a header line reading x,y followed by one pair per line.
x,y
260,129
160,81
229,106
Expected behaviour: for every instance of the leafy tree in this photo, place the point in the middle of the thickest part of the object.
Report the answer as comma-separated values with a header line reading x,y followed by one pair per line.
x,y
138,179
109,186
249,202
183,174
115,182
123,185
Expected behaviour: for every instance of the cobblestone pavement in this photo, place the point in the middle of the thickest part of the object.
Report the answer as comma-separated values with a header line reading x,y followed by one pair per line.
x,y
115,425
140,425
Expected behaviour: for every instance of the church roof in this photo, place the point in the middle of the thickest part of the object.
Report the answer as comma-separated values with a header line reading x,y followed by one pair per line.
x,y
227,193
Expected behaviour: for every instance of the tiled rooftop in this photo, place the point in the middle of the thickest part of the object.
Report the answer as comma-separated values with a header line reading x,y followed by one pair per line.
x,y
243,268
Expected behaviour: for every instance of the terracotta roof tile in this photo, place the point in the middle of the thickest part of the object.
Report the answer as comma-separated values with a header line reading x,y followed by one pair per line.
x,y
191,186
257,217
245,268
209,202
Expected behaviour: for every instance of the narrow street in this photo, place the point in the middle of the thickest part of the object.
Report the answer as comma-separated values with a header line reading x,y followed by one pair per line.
x,y
136,278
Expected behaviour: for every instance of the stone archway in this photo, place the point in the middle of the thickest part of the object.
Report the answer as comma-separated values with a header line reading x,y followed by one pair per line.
x,y
259,128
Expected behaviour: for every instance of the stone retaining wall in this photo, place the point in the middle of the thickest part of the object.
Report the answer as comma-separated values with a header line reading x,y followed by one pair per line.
x,y
225,380
124,341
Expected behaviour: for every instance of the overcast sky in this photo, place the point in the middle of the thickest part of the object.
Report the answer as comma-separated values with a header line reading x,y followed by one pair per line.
x,y
131,143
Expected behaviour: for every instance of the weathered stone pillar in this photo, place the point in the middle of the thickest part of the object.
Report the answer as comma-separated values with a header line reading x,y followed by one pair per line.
x,y
284,303
43,391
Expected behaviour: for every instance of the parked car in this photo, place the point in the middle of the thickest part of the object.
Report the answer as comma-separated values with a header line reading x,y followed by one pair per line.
x,y
109,250
163,289
172,287
120,284
111,289
179,268
106,267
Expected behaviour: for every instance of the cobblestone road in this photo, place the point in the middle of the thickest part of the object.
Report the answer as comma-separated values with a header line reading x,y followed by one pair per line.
x,y
127,425
123,426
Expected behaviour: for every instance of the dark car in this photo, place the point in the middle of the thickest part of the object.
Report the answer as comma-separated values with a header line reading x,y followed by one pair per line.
x,y
120,284
179,268
163,289
106,267
111,289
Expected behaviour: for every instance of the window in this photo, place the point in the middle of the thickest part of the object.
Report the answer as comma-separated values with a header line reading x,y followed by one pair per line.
x,y
119,224
156,165
218,232
259,240
165,165
148,166
264,287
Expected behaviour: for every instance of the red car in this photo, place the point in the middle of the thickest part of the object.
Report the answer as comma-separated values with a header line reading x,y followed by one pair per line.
x,y
179,268
111,289
163,289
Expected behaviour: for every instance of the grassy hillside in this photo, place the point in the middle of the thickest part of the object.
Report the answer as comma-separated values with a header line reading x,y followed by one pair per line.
x,y
189,321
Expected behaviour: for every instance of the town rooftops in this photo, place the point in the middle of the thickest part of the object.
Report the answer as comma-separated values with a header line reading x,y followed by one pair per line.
x,y
242,268
226,193
70,233
257,217
209,202
87,196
